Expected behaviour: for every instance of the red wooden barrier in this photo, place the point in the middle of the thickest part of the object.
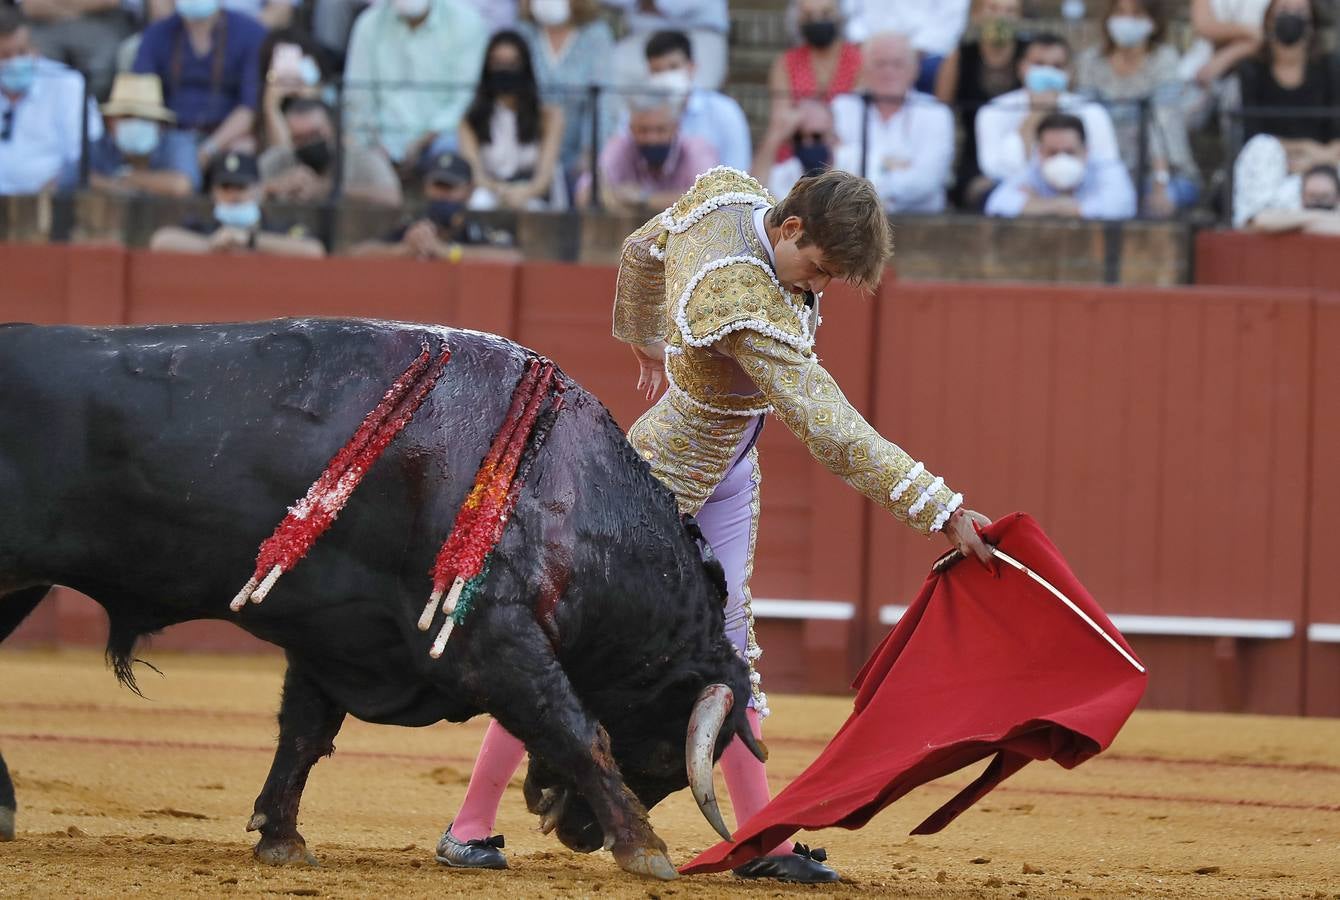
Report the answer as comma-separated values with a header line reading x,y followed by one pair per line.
x,y
1160,436
1177,443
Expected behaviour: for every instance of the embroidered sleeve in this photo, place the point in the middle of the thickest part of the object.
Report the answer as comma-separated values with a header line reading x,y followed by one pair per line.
x,y
641,311
809,401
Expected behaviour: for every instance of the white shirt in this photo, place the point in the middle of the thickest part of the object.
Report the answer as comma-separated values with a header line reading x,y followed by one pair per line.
x,y
402,82
1261,180
1105,193
761,229
933,26
909,155
1236,12
1001,151
44,142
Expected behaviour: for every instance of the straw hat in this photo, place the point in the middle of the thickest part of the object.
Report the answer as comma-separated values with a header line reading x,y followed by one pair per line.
x,y
140,96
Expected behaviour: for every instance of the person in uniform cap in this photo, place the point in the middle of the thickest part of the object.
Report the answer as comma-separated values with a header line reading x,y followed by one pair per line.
x,y
445,230
131,156
237,224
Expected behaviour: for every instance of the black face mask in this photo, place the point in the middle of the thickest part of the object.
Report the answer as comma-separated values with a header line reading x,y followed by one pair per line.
x,y
443,213
654,154
316,155
814,158
820,33
1290,28
506,81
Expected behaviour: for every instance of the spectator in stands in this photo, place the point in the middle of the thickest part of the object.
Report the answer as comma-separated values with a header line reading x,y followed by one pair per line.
x,y
980,70
498,15
83,34
1311,208
902,139
40,100
130,157
1064,180
446,230
571,48
300,167
509,138
1291,87
237,224
411,70
821,65
207,59
1134,75
807,129
1007,126
1270,195
707,114
707,23
1227,32
933,26
651,164
292,64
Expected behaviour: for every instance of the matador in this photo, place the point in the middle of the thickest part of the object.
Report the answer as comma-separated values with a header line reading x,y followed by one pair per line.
x,y
719,297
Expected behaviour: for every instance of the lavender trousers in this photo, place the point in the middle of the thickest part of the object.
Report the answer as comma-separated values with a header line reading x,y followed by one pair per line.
x,y
729,521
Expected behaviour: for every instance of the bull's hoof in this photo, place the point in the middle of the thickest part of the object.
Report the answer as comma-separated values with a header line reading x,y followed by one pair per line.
x,y
645,861
6,824
283,852
584,837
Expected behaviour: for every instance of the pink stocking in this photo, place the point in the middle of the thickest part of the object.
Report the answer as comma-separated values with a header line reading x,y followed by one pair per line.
x,y
747,780
499,757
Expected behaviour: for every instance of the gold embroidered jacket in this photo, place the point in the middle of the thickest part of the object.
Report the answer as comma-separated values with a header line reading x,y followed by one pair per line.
x,y
738,345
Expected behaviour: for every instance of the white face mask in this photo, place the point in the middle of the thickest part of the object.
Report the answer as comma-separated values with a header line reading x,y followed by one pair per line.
x,y
551,13
675,82
136,137
410,9
1129,31
1063,172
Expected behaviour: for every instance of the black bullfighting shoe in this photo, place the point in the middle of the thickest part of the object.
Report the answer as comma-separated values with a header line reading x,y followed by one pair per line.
x,y
482,853
802,866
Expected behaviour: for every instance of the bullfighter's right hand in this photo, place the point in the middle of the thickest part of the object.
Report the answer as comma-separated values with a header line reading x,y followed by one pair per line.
x,y
964,537
651,368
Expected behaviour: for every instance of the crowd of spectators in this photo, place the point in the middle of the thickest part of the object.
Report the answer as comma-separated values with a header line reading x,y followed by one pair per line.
x,y
454,107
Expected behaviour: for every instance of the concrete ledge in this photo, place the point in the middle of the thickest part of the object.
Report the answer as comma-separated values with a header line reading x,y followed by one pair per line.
x,y
946,247
825,610
1324,633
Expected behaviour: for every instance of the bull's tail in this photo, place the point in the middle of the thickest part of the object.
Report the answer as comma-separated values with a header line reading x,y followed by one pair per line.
x,y
15,607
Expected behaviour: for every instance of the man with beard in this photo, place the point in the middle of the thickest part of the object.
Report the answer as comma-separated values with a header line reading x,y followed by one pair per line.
x,y
301,168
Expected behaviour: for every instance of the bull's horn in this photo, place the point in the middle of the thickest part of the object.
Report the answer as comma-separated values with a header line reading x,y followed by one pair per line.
x,y
709,713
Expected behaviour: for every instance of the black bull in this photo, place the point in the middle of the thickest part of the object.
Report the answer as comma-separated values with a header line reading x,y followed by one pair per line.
x,y
143,467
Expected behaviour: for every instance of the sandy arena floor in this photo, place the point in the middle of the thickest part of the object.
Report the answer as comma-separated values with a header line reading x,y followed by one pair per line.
x,y
121,796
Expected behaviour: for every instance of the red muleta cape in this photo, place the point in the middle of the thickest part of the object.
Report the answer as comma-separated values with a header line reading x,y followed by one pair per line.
x,y
980,664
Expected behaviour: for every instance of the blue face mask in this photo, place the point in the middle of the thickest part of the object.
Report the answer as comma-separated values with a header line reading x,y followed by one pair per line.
x,y
17,74
245,215
136,137
197,9
654,154
1046,79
